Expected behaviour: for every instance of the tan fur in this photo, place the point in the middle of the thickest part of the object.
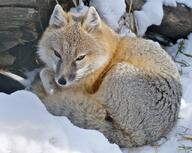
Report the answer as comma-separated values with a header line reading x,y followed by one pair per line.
x,y
133,97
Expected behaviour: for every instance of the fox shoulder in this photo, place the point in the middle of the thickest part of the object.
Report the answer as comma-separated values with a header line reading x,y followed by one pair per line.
x,y
147,55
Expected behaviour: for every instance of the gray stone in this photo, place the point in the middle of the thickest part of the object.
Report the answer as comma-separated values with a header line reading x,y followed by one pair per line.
x,y
6,59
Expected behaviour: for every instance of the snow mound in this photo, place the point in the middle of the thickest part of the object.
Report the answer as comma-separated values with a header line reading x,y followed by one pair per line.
x,y
27,127
110,10
80,10
151,13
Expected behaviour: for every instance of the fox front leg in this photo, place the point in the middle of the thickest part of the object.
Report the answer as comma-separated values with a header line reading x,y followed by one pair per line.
x,y
47,80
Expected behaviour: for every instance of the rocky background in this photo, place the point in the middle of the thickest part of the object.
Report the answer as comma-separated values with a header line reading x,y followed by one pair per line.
x,y
23,21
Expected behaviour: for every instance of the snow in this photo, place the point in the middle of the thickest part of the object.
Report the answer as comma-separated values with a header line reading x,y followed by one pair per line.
x,y
80,10
110,10
186,67
26,127
152,13
169,3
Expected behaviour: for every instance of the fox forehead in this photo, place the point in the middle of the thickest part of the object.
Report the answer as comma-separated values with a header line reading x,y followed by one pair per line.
x,y
71,40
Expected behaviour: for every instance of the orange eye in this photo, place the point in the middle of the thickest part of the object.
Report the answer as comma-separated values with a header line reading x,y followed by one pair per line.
x,y
80,58
57,54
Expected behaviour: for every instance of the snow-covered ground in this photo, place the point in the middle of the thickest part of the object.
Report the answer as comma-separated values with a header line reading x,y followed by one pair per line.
x,y
110,11
27,127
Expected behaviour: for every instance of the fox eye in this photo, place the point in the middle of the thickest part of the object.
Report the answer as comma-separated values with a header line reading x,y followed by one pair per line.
x,y
57,54
80,58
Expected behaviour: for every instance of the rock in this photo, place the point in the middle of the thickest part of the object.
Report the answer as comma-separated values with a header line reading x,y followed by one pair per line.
x,y
17,26
66,4
26,58
23,21
176,24
6,59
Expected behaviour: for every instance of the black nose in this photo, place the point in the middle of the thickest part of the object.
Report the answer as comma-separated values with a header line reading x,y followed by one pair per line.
x,y
62,81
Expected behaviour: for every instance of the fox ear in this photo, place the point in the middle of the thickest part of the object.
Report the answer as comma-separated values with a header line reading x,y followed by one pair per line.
x,y
58,17
92,20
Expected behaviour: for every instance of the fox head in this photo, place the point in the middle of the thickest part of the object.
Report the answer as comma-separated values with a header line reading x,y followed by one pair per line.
x,y
74,49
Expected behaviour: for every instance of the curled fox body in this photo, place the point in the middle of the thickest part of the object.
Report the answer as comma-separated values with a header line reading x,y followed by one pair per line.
x,y
127,88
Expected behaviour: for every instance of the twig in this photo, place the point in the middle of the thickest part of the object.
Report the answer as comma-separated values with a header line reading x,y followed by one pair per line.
x,y
75,2
130,6
187,137
186,54
158,143
186,148
186,128
183,63
56,2
180,47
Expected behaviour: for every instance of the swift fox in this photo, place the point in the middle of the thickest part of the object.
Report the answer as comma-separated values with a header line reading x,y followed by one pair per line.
x,y
127,88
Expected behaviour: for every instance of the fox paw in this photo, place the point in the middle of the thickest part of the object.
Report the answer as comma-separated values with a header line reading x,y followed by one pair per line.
x,y
47,81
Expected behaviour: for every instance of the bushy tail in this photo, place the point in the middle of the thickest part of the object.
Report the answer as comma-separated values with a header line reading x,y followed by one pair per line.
x,y
17,82
15,77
